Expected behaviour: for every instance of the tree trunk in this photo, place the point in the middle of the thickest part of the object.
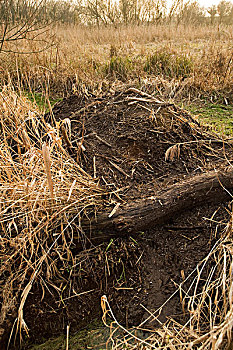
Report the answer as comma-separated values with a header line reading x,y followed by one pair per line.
x,y
139,215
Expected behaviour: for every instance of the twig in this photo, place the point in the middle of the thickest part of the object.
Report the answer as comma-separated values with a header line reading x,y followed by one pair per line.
x,y
94,167
114,210
114,165
47,164
118,168
75,114
139,99
67,337
144,94
65,136
103,141
178,228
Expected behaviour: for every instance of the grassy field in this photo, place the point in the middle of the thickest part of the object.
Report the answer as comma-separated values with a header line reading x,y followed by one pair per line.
x,y
190,60
217,116
191,66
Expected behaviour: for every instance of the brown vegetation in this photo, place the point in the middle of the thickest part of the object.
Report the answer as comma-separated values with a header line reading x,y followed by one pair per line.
x,y
176,61
48,198
66,178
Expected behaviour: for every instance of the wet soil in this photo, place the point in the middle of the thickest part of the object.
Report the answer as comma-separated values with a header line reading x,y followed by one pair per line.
x,y
143,273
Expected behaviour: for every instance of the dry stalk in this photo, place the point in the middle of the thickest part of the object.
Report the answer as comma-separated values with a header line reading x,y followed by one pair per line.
x,y
36,233
47,162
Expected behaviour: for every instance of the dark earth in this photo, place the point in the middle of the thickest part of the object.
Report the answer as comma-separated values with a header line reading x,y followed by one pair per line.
x,y
154,263
121,139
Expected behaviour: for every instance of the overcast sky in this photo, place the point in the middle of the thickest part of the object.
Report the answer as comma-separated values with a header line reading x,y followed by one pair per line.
x,y
208,3
205,3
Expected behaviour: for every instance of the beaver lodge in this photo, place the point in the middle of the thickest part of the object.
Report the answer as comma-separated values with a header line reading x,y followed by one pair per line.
x,y
115,206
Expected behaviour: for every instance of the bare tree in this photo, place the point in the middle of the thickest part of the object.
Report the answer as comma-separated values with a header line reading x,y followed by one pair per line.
x,y
191,13
20,19
153,11
112,11
127,7
224,10
212,11
61,11
176,7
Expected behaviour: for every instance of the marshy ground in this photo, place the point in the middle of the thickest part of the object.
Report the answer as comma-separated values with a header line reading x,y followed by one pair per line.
x,y
129,120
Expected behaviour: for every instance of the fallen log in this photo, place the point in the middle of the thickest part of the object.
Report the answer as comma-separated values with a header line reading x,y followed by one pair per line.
x,y
139,215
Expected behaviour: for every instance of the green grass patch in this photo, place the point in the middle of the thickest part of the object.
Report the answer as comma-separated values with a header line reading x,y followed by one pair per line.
x,y
118,67
169,64
92,337
95,336
218,116
41,101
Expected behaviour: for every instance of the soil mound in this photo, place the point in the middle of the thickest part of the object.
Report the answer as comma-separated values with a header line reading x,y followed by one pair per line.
x,y
135,143
134,148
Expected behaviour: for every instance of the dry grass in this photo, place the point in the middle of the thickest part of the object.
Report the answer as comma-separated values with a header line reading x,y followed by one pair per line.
x,y
44,195
92,58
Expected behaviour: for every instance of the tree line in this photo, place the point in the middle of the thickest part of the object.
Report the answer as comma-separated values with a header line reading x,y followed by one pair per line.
x,y
105,12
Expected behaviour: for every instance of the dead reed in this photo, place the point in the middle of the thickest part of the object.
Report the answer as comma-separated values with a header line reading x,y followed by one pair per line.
x,y
90,58
44,195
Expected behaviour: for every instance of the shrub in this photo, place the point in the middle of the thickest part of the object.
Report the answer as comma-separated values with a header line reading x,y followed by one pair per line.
x,y
169,64
118,67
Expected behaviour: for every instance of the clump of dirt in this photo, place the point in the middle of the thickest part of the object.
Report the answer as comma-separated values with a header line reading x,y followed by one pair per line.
x,y
133,145
122,139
